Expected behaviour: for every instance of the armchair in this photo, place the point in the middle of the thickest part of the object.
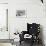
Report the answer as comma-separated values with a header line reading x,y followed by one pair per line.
x,y
33,30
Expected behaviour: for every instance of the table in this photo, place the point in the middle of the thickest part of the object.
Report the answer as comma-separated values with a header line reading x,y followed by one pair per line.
x,y
16,40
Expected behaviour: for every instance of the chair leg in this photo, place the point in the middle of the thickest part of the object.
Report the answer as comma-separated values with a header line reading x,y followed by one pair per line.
x,y
20,42
32,42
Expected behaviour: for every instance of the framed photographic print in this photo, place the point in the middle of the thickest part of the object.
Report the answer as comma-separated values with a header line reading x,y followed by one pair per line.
x,y
20,13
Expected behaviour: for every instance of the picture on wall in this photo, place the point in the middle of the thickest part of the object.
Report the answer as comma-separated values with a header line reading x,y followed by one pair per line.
x,y
20,13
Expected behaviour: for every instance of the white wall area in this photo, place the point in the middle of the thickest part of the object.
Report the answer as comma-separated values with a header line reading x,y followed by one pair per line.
x,y
35,14
3,21
3,1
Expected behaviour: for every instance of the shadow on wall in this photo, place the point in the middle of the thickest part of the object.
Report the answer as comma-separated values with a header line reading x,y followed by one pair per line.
x,y
41,34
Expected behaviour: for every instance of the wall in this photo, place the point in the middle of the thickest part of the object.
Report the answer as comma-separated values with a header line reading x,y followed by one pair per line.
x,y
29,6
3,21
4,34
45,30
3,1
35,13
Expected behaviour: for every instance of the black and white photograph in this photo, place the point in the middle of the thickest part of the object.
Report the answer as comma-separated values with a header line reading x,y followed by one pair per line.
x,y
22,22
20,13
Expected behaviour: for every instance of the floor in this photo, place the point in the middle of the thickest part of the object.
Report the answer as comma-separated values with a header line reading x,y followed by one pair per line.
x,y
23,44
5,44
26,44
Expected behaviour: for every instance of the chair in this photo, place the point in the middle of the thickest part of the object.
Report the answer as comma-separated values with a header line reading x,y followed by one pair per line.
x,y
33,30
